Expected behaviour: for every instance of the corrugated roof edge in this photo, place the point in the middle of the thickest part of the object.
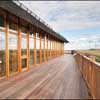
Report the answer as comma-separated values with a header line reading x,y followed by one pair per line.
x,y
11,7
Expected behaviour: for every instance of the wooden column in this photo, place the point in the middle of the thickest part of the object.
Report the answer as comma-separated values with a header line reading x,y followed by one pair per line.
x,y
47,47
50,48
6,44
44,49
35,51
40,50
28,50
53,48
56,48
19,46
61,48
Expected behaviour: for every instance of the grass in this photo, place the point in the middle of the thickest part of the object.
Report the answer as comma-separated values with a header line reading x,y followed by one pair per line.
x,y
94,52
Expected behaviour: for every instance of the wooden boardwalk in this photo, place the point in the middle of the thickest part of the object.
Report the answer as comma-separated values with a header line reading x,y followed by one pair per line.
x,y
58,78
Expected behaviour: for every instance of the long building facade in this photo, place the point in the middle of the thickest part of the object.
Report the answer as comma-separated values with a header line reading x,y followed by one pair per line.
x,y
24,40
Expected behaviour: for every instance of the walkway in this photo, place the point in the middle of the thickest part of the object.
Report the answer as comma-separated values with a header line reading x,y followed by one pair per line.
x,y
57,78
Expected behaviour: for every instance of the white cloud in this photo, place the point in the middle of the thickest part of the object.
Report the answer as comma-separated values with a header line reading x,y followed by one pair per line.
x,y
86,42
69,15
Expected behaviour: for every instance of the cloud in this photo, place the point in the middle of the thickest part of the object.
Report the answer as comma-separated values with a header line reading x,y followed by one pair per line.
x,y
67,15
86,42
64,16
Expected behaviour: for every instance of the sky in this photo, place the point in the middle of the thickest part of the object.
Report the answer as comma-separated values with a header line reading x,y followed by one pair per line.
x,y
77,21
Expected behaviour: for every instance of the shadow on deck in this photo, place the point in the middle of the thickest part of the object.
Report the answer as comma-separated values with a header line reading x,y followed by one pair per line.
x,y
58,78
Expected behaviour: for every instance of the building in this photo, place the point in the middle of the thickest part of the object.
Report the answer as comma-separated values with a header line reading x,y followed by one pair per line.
x,y
25,39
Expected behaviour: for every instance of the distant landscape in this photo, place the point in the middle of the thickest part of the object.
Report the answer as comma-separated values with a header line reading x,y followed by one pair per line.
x,y
92,52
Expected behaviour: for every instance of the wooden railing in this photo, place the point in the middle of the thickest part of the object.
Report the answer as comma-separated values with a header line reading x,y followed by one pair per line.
x,y
91,73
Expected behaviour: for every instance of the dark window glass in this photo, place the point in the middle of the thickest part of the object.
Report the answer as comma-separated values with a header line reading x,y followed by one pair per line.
x,y
31,50
2,54
37,35
24,63
1,21
38,56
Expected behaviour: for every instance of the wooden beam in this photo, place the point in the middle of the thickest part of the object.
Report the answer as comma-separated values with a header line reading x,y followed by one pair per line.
x,y
35,51
63,48
28,50
40,49
6,44
56,48
47,48
50,48
44,49
19,46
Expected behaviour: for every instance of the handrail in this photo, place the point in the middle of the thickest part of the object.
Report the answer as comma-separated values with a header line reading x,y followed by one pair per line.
x,y
91,73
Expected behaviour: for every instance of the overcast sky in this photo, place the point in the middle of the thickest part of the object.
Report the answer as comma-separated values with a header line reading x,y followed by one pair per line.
x,y
77,21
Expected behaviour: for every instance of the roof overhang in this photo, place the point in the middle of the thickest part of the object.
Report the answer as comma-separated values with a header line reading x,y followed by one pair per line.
x,y
18,11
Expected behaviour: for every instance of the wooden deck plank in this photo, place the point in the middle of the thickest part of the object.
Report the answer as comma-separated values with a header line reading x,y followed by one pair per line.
x,y
56,79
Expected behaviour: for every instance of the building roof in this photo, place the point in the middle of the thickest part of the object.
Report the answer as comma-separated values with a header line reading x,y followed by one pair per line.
x,y
21,11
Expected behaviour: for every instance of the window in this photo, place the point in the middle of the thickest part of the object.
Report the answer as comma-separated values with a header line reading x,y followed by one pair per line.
x,y
24,63
24,47
12,25
23,44
2,48
2,54
42,46
38,50
37,35
13,52
31,43
1,21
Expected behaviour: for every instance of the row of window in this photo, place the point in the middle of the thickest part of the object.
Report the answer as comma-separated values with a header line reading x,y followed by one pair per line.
x,y
13,48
